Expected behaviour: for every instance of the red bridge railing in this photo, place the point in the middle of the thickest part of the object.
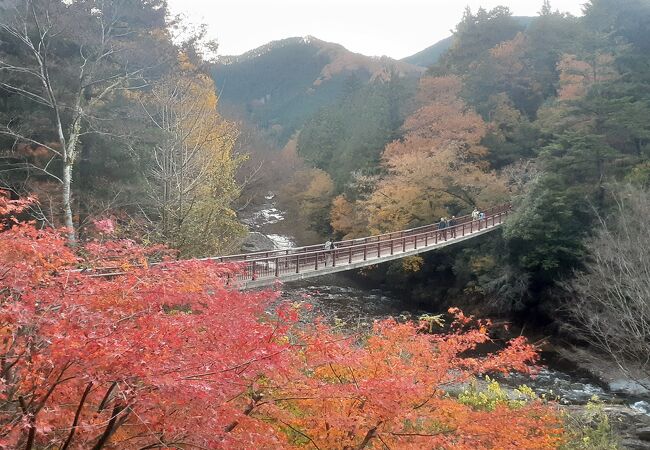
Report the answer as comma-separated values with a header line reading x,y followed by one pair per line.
x,y
351,242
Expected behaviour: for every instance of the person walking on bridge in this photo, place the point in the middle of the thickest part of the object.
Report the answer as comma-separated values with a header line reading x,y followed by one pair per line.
x,y
442,227
475,214
329,246
452,226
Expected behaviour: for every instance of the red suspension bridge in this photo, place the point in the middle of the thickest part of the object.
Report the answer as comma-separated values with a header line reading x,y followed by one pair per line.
x,y
296,263
265,268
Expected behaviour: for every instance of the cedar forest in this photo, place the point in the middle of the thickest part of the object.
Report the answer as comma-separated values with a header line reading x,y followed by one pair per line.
x,y
113,153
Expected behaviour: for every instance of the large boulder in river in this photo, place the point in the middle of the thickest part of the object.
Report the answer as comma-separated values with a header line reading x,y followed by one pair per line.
x,y
257,242
644,434
629,387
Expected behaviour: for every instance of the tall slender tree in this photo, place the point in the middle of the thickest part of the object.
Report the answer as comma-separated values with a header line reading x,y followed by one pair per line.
x,y
192,177
68,59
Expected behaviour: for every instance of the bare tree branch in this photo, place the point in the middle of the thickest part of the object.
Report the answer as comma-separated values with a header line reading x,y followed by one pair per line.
x,y
611,306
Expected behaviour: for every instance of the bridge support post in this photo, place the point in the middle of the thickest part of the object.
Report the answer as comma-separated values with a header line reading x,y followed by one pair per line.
x,y
365,252
334,258
297,263
391,246
415,239
379,249
316,262
403,245
277,267
350,255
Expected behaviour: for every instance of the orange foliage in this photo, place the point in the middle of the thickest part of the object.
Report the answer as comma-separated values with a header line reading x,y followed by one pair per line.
x,y
442,122
437,165
578,75
390,392
511,51
509,62
346,218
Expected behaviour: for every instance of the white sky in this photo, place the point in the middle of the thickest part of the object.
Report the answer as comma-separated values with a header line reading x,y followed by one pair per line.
x,y
396,28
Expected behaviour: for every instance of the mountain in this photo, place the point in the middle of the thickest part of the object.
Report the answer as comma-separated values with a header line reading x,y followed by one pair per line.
x,y
282,84
430,55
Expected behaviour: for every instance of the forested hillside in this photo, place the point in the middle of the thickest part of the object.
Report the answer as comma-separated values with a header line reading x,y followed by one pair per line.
x,y
280,85
431,55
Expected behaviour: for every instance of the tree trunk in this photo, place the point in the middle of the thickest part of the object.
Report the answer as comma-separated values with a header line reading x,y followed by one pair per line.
x,y
67,203
70,155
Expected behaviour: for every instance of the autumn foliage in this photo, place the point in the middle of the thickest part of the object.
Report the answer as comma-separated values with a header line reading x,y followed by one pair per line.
x,y
169,356
437,168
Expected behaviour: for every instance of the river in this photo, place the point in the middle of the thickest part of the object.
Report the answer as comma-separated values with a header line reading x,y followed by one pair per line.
x,y
348,303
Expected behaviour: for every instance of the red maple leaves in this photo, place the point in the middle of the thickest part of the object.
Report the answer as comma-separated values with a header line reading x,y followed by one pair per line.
x,y
170,357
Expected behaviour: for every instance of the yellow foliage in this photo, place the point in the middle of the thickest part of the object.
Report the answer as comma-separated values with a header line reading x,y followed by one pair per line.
x,y
193,182
482,264
346,219
491,396
412,263
308,195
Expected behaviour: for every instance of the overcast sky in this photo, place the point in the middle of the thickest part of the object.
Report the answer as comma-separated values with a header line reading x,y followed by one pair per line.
x,y
396,28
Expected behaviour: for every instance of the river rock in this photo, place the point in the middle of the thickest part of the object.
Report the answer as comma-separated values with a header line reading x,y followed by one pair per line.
x,y
633,444
642,406
643,433
628,387
257,242
629,424
608,375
